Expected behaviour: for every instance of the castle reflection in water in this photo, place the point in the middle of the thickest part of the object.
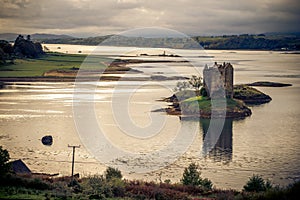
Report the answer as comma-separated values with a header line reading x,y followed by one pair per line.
x,y
216,136
218,145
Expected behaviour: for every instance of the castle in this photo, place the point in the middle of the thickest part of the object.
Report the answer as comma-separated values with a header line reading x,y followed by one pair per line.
x,y
217,79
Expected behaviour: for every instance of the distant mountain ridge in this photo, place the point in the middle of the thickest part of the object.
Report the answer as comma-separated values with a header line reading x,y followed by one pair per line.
x,y
273,41
37,36
265,41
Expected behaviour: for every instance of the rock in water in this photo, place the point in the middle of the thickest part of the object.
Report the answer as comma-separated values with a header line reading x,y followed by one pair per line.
x,y
47,140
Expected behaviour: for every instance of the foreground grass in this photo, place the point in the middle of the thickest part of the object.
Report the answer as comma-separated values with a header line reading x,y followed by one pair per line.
x,y
99,187
21,193
50,61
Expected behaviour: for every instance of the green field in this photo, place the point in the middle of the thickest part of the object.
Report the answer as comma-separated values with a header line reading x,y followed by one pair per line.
x,y
50,61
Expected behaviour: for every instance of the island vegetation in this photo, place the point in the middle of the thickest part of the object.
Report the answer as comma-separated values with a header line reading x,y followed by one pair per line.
x,y
250,95
192,105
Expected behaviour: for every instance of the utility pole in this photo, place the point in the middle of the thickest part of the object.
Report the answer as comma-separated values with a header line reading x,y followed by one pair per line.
x,y
73,159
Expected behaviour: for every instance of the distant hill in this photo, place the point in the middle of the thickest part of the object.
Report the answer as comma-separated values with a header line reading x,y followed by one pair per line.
x,y
8,36
37,36
274,41
291,34
266,41
255,42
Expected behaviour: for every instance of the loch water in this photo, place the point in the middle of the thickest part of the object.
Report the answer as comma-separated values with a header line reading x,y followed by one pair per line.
x,y
266,143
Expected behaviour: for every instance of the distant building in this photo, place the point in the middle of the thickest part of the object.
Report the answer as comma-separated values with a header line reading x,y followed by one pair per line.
x,y
19,167
218,79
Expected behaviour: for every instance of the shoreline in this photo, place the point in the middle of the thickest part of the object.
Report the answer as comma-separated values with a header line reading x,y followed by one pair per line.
x,y
111,71
109,77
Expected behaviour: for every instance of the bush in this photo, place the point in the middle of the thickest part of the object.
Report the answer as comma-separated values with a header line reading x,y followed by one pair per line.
x,y
117,187
113,173
151,190
203,92
191,176
94,185
181,86
4,158
257,184
98,186
206,183
15,181
194,82
38,184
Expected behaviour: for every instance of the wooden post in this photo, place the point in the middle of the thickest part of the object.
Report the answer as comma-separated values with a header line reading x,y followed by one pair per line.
x,y
73,158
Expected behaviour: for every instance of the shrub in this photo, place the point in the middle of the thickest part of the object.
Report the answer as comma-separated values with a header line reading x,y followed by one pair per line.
x,y
98,186
38,184
151,190
15,181
257,184
181,86
203,92
194,82
191,176
4,158
93,185
112,173
206,183
117,187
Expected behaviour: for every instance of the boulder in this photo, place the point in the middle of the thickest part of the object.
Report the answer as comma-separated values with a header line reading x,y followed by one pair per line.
x,y
47,140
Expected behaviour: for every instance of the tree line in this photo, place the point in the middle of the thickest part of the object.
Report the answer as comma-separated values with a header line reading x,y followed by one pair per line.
x,y
244,41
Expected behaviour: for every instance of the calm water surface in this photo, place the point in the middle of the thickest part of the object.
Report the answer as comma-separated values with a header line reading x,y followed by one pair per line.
x,y
266,143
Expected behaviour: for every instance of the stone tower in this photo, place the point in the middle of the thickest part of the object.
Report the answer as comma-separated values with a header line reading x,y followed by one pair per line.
x,y
218,78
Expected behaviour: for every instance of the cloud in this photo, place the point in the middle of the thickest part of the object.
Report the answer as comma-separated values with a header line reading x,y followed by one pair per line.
x,y
88,17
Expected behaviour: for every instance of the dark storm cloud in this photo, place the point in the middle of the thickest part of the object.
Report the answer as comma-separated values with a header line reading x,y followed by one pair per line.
x,y
88,17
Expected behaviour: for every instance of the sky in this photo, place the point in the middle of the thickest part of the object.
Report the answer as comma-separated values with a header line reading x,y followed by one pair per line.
x,y
83,18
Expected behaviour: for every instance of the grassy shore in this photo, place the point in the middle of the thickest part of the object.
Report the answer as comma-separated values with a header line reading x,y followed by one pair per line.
x,y
50,61
64,67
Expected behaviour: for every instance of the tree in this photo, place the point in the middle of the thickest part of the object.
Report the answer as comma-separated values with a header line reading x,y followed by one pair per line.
x,y
4,158
257,184
196,82
6,52
180,86
192,176
114,182
113,173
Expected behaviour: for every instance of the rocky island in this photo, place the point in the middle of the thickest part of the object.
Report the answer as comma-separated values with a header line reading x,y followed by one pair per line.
x,y
216,92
